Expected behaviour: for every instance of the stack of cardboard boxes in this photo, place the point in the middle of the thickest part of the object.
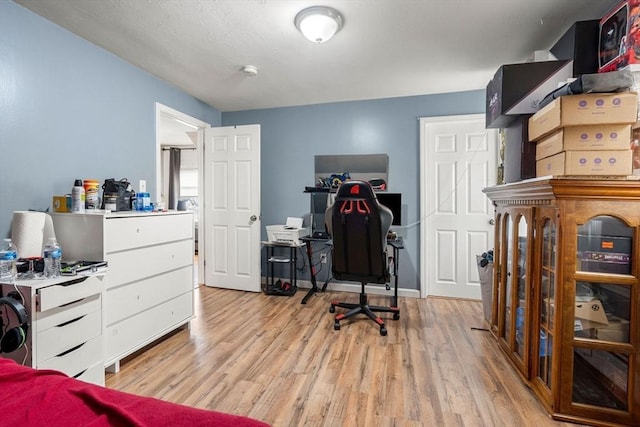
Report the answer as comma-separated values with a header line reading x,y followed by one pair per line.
x,y
587,135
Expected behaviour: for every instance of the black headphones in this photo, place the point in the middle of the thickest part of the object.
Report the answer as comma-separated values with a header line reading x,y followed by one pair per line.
x,y
14,338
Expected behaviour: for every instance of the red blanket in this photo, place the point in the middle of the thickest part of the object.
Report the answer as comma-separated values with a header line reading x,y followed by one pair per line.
x,y
30,397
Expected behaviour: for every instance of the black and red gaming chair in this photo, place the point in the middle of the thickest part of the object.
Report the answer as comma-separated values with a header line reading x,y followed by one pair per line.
x,y
358,225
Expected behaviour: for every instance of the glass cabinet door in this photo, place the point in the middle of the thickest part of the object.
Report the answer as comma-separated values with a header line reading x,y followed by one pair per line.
x,y
546,295
506,290
602,313
497,290
521,287
514,322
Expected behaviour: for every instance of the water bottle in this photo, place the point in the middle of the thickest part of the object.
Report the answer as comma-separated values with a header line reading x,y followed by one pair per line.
x,y
52,254
8,258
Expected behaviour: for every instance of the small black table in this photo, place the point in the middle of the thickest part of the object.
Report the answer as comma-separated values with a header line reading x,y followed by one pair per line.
x,y
272,260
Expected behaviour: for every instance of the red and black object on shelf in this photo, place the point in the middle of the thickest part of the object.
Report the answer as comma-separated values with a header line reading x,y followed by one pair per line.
x,y
280,287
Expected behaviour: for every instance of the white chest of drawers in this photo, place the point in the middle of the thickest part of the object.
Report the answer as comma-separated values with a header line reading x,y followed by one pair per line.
x,y
149,286
64,325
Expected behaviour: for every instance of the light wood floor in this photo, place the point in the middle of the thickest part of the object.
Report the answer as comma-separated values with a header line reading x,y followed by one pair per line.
x,y
276,360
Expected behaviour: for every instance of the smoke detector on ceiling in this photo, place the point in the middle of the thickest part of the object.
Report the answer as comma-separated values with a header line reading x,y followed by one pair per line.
x,y
250,70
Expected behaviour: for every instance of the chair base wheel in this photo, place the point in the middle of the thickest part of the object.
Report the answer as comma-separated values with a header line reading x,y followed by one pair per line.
x,y
363,308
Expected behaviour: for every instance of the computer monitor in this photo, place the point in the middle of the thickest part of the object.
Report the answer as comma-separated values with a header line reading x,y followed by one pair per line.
x,y
394,202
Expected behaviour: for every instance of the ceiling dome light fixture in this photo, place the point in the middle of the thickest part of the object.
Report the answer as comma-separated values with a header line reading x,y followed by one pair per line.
x,y
319,23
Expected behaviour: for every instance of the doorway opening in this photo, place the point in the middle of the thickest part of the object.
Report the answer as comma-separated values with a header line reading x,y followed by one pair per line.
x,y
180,132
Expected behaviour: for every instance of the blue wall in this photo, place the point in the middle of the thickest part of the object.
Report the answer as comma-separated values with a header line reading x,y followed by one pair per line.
x,y
291,137
69,109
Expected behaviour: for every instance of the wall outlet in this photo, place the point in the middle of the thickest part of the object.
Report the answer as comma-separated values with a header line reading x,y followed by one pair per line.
x,y
323,258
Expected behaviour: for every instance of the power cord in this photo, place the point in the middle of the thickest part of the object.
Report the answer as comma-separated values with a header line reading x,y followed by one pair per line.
x,y
451,193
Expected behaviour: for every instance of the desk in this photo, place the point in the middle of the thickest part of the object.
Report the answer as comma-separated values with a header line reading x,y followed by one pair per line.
x,y
308,242
396,245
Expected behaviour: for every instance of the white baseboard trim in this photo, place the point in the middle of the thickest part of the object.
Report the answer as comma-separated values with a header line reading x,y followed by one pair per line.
x,y
355,288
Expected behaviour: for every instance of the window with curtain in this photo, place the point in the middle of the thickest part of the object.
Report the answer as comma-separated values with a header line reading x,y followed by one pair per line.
x,y
188,183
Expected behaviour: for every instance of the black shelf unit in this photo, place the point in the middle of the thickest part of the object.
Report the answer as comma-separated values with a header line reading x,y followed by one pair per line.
x,y
277,255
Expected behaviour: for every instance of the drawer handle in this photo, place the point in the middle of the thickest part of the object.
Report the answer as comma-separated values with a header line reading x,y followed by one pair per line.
x,y
74,281
64,353
77,375
72,302
69,322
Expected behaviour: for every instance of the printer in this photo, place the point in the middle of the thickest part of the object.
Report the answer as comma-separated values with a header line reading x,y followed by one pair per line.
x,y
287,234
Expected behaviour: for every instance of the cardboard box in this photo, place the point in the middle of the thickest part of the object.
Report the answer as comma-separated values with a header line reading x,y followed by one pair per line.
x,y
584,109
617,330
591,310
619,40
600,163
579,44
592,137
61,203
517,89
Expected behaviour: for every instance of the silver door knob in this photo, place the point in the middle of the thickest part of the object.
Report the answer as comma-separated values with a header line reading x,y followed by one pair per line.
x,y
253,218
492,221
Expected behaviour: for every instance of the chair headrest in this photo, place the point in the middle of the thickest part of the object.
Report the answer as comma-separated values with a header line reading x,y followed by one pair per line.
x,y
355,189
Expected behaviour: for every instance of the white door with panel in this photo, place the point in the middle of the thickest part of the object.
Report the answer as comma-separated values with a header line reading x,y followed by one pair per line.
x,y
232,207
458,160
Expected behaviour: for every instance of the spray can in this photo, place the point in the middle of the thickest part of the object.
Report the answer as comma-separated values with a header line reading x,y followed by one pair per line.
x,y
77,197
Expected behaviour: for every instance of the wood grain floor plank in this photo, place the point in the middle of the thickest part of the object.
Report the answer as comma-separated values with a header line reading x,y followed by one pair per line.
x,y
274,359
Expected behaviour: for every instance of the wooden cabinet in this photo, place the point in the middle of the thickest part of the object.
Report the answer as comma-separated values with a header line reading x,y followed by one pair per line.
x,y
149,286
65,325
566,300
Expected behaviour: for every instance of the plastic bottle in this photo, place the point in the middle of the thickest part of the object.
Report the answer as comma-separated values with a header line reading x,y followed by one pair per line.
x,y
8,258
143,201
146,202
52,254
77,197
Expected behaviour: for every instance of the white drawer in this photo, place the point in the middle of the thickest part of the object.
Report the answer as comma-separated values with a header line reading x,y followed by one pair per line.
x,y
65,336
60,315
73,290
134,232
94,374
137,331
137,264
129,299
76,360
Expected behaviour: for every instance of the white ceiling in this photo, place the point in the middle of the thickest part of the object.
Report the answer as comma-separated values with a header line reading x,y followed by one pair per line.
x,y
387,48
175,132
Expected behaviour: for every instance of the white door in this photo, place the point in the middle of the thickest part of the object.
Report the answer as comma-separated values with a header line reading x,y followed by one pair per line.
x,y
458,160
232,207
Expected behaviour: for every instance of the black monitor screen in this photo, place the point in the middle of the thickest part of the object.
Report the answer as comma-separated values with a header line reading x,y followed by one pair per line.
x,y
319,202
394,202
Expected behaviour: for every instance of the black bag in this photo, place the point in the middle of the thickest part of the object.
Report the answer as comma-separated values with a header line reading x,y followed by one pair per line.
x,y
123,191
